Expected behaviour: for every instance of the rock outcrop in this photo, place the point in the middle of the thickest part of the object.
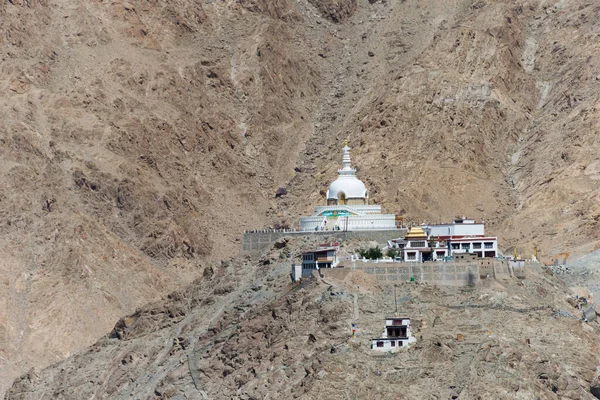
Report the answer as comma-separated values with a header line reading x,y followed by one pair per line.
x,y
336,10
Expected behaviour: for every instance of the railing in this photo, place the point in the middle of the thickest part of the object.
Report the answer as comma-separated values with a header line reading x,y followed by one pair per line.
x,y
365,228
325,259
271,230
297,230
389,260
348,208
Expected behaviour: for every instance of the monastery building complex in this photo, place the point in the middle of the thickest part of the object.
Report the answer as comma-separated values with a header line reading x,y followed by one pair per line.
x,y
348,209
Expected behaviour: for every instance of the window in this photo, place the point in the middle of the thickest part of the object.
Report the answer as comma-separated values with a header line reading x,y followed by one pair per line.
x,y
417,244
466,245
393,343
476,245
489,245
455,246
400,343
411,256
380,344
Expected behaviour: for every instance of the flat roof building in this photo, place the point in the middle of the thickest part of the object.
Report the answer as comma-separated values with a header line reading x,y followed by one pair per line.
x,y
437,242
323,257
396,334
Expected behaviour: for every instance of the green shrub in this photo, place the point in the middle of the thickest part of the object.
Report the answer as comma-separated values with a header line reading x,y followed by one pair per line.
x,y
393,253
372,254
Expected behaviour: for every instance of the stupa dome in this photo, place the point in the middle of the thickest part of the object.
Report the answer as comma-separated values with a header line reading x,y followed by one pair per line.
x,y
347,185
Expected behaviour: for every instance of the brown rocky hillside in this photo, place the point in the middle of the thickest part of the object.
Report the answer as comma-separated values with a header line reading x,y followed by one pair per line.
x,y
244,331
139,139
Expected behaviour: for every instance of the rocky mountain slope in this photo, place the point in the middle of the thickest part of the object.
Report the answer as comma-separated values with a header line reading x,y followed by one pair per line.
x,y
244,331
139,139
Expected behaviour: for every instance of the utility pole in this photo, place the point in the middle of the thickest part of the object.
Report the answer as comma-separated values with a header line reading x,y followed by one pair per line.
x,y
395,301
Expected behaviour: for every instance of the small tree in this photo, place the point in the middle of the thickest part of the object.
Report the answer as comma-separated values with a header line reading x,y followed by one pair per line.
x,y
372,254
393,253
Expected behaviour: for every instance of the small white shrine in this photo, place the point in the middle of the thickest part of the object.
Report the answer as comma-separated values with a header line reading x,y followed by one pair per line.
x,y
396,335
348,205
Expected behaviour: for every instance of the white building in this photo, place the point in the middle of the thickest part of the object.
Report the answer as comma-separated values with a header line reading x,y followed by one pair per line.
x,y
416,248
324,257
348,206
464,235
436,242
396,334
483,247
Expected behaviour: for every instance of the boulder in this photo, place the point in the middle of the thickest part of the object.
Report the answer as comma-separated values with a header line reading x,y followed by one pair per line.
x,y
280,192
595,388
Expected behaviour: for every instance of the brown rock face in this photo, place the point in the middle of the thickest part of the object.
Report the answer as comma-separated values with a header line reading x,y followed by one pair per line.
x,y
139,139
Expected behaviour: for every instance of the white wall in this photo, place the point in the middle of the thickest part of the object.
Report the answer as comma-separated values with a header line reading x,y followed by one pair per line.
x,y
455,229
383,221
387,344
417,255
296,272
472,249
468,229
355,222
357,209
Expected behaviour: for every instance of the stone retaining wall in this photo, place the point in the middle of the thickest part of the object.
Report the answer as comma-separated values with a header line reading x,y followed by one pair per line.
x,y
451,273
257,242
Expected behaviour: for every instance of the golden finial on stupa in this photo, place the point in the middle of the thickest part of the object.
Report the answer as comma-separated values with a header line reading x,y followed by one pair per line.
x,y
346,143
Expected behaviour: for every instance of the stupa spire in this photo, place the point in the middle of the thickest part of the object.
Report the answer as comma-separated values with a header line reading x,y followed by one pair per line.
x,y
346,162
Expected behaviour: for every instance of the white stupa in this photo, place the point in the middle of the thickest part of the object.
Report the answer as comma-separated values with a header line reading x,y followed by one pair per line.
x,y
347,188
348,205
